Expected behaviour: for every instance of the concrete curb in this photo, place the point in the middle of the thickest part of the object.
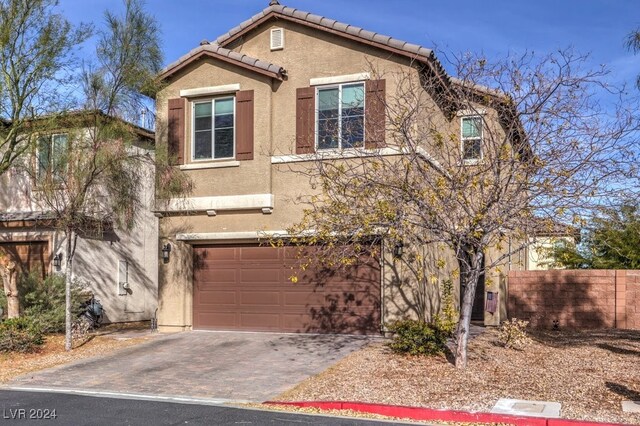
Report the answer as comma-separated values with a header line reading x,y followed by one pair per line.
x,y
419,413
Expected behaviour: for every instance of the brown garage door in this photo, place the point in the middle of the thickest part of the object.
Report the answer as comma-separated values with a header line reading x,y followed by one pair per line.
x,y
31,256
248,288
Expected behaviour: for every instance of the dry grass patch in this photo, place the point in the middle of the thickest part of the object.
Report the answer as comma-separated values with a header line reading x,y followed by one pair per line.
x,y
589,373
52,352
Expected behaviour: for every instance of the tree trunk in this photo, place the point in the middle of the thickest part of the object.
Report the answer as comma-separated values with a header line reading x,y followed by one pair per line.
x,y
469,262
10,284
70,236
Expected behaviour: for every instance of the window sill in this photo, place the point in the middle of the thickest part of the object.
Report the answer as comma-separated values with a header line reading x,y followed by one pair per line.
x,y
473,162
333,154
212,165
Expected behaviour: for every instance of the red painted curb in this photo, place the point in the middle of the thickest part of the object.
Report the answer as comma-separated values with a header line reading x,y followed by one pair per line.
x,y
419,413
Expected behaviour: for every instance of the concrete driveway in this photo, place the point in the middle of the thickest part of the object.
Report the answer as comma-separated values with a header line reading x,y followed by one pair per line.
x,y
211,365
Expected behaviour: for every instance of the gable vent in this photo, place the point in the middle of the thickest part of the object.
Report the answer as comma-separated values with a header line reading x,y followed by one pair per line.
x,y
277,39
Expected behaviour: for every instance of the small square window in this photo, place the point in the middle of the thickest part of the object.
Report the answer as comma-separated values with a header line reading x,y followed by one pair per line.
x,y
471,141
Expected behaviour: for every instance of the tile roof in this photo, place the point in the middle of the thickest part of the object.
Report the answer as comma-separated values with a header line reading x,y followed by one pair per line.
x,y
25,216
410,49
220,52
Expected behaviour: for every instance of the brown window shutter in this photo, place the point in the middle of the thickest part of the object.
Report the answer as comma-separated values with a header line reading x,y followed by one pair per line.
x,y
374,114
305,120
175,131
244,125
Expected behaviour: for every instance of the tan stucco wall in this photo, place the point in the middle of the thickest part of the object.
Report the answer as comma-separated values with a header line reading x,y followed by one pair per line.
x,y
307,54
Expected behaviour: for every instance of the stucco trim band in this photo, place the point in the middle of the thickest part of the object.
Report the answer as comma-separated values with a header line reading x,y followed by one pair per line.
x,y
335,155
226,236
320,81
228,202
211,90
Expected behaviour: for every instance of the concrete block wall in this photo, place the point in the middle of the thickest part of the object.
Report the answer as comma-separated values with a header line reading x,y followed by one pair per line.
x,y
576,298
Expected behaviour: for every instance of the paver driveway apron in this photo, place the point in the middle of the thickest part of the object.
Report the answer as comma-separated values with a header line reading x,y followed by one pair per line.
x,y
198,364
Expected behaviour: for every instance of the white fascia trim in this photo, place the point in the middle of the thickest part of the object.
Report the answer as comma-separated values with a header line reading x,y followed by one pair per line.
x,y
225,236
216,165
211,90
357,153
228,202
321,81
471,112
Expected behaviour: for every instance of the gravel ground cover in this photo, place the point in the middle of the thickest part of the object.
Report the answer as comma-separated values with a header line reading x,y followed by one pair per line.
x,y
588,372
52,352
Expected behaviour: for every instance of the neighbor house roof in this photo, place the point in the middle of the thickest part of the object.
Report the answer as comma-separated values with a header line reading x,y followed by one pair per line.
x,y
217,52
84,117
25,219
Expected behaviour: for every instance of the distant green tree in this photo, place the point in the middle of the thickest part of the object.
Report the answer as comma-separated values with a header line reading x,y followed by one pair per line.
x,y
612,242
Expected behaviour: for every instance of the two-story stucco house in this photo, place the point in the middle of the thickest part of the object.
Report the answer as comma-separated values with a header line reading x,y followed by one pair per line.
x,y
118,266
237,114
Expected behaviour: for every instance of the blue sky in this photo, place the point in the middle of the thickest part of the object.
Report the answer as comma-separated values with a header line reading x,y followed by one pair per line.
x,y
495,27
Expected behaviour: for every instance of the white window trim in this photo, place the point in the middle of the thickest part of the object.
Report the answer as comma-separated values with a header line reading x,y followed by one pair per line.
x,y
349,78
213,134
317,115
211,90
281,47
471,112
218,164
463,139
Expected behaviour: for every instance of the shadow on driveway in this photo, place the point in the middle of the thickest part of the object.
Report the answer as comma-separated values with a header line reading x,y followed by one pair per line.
x,y
218,365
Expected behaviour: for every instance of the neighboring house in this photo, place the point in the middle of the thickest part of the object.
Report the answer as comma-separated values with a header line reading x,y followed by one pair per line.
x,y
104,260
539,254
238,115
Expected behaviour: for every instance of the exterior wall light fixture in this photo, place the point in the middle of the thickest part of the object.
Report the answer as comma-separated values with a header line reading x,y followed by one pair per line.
x,y
166,251
57,261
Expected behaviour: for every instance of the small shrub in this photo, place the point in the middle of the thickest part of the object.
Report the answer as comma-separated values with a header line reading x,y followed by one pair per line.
x,y
20,335
44,300
417,337
513,334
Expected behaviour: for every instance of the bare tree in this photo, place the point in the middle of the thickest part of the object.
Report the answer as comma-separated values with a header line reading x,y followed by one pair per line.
x,y
36,55
482,163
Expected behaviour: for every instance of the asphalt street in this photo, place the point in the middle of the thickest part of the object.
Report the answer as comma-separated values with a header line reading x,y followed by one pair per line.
x,y
42,408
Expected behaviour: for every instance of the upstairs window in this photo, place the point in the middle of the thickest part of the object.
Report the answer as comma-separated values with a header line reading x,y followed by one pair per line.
x,y
340,117
471,139
214,129
52,156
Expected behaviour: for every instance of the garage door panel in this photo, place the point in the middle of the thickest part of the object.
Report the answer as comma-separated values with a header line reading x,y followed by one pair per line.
x,y
259,321
302,298
217,298
216,276
223,319
248,254
260,298
260,275
322,301
30,256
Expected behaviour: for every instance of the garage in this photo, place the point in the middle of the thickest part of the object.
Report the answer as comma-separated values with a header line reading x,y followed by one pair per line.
x,y
30,256
248,287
